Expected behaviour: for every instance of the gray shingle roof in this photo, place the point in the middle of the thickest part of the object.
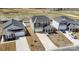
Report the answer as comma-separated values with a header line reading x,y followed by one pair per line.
x,y
13,22
7,24
40,19
13,25
71,26
75,22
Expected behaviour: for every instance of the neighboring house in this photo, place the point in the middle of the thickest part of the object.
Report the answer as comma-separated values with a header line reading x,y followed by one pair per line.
x,y
64,23
71,27
74,26
40,23
60,23
13,29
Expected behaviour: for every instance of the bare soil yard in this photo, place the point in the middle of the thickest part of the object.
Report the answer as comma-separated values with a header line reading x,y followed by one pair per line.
x,y
60,40
77,35
33,41
10,46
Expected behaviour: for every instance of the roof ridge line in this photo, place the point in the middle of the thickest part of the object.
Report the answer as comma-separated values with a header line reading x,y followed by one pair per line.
x,y
35,19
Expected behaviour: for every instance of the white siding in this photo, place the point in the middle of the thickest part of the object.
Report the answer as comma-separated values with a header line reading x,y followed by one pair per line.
x,y
32,24
55,24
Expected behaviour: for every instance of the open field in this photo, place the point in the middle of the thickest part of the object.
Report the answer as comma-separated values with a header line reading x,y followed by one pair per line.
x,y
71,14
24,13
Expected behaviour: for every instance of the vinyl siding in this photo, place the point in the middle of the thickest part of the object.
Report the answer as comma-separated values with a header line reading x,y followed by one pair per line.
x,y
55,24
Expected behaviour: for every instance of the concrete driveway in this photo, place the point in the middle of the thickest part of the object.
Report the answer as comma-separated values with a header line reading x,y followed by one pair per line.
x,y
22,44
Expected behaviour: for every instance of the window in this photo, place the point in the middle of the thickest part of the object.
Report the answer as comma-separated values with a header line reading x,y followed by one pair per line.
x,y
37,25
